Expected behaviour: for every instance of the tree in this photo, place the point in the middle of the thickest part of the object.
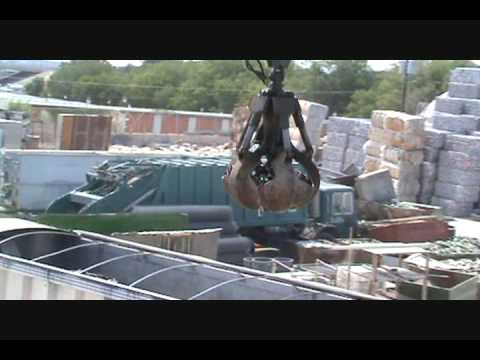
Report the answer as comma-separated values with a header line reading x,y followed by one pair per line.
x,y
333,82
35,87
386,93
62,82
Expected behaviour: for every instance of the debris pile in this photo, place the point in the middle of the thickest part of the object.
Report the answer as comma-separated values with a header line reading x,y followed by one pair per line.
x,y
345,140
177,149
396,142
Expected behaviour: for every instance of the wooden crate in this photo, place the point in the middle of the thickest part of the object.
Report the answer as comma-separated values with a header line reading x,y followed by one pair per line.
x,y
458,286
85,132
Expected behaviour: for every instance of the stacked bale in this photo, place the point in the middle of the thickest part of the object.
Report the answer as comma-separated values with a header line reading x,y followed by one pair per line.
x,y
434,142
345,140
459,112
452,149
458,182
396,142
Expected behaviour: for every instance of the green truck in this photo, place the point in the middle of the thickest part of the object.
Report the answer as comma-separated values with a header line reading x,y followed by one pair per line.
x,y
119,186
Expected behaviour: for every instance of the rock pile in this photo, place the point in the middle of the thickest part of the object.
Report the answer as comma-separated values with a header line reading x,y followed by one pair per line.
x,y
177,149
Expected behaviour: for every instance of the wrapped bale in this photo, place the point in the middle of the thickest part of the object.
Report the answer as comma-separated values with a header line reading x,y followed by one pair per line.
x,y
458,177
332,165
373,148
449,105
453,207
471,107
402,140
462,90
354,157
378,119
461,124
371,163
402,170
332,153
395,155
406,189
339,140
351,126
465,144
401,122
435,138
428,176
466,75
459,161
356,142
431,154
459,193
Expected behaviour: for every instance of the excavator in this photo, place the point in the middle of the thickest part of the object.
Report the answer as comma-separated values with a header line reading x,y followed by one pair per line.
x,y
262,175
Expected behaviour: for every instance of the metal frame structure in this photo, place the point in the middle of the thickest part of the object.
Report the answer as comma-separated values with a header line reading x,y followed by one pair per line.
x,y
106,285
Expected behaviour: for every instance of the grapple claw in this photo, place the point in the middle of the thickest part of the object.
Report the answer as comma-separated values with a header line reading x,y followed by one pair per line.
x,y
262,175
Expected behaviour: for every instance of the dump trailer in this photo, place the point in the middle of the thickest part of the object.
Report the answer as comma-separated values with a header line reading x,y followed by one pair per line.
x,y
41,262
121,186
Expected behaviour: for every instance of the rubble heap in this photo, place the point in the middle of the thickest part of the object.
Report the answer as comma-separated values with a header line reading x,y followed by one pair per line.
x,y
396,142
451,176
185,149
345,140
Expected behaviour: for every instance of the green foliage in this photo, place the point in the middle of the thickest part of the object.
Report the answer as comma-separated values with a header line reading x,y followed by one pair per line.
x,y
430,81
333,82
19,106
35,87
348,87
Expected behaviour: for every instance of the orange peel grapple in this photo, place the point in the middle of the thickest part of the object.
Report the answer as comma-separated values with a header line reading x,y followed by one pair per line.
x,y
261,174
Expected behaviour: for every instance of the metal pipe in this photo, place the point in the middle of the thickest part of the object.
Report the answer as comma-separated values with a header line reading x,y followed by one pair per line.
x,y
274,277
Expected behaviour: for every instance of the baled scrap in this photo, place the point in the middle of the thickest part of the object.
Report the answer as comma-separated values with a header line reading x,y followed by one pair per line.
x,y
401,122
339,140
466,75
371,163
456,123
458,160
402,140
332,165
459,193
471,107
356,142
430,154
453,207
435,138
374,148
462,90
402,170
332,153
449,105
458,177
354,157
396,155
466,144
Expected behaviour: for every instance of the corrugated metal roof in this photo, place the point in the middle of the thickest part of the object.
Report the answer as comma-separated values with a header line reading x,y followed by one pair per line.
x,y
7,97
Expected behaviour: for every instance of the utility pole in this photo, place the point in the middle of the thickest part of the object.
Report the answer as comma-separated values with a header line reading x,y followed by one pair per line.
x,y
405,85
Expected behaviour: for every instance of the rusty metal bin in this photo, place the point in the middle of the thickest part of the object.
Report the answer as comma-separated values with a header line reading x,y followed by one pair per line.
x,y
457,286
